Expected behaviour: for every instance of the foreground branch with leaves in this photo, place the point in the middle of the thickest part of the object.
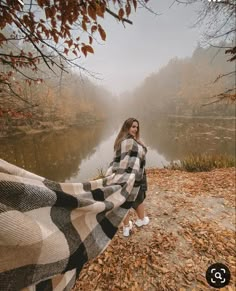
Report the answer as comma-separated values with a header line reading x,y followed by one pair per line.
x,y
55,33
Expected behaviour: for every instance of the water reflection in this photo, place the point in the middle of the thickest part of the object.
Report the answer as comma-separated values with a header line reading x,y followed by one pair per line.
x,y
55,155
100,159
174,138
76,154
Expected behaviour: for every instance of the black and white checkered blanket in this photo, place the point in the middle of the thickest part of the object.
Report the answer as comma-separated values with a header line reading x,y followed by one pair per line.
x,y
49,230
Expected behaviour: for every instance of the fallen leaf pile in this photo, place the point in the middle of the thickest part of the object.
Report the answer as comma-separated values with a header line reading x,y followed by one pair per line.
x,y
192,225
217,183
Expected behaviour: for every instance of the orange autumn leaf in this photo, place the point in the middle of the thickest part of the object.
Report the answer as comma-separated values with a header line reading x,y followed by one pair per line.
x,y
84,51
128,9
84,26
121,13
92,12
100,10
94,28
102,33
66,51
89,49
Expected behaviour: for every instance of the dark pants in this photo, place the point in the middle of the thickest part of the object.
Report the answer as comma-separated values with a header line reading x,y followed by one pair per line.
x,y
139,199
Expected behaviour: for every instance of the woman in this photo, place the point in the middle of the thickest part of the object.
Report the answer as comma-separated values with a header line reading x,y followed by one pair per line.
x,y
130,129
49,230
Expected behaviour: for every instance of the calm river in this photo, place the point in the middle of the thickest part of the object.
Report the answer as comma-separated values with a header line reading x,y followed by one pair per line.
x,y
76,154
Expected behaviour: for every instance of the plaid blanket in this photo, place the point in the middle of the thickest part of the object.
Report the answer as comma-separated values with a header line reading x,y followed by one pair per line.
x,y
49,230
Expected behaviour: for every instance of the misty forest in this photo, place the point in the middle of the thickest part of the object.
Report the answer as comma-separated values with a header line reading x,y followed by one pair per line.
x,y
59,120
40,88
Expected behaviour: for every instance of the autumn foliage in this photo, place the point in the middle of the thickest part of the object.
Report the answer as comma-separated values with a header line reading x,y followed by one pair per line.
x,y
56,33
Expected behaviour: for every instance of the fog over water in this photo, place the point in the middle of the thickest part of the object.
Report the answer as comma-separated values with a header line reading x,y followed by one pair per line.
x,y
76,154
155,70
133,52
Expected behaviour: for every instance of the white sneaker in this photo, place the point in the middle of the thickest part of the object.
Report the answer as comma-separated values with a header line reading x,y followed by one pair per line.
x,y
141,222
127,229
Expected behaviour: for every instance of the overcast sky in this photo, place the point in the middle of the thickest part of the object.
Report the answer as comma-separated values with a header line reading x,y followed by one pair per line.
x,y
133,52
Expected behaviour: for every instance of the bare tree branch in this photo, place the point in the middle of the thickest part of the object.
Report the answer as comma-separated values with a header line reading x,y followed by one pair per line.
x,y
224,75
223,96
117,17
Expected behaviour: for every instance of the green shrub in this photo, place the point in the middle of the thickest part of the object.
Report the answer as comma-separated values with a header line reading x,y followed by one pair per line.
x,y
202,163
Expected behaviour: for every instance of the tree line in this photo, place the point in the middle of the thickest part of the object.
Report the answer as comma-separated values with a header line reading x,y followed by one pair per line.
x,y
186,86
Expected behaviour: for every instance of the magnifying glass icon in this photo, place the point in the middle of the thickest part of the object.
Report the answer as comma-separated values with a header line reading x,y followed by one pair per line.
x,y
218,275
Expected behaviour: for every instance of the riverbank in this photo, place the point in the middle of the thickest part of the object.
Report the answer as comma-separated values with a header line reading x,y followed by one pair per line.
x,y
44,126
214,117
192,225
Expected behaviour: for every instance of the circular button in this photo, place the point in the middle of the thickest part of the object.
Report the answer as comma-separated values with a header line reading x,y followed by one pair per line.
x,y
218,275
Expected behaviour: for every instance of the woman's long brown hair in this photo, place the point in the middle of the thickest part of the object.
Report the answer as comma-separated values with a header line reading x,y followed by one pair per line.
x,y
125,131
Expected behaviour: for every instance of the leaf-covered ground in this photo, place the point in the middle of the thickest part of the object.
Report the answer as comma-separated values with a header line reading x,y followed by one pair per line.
x,y
192,225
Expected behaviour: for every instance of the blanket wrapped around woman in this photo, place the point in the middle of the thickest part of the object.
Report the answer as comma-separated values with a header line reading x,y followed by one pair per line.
x,y
49,230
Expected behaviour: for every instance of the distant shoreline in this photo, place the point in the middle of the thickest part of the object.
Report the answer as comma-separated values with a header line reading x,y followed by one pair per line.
x,y
47,126
203,117
44,127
